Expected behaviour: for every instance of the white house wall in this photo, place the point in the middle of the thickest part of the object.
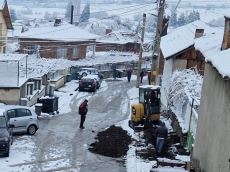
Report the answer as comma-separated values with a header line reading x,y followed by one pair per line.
x,y
10,95
211,148
3,32
167,73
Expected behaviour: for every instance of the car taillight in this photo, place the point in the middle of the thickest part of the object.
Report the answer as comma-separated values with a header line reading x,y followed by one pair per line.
x,y
80,83
93,83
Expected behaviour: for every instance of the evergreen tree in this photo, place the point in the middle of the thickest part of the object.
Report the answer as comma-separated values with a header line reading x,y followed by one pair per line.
x,y
68,9
181,20
138,28
85,13
12,15
151,24
197,15
173,19
191,17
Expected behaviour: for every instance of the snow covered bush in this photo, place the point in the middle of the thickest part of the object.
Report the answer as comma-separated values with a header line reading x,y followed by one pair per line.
x,y
185,86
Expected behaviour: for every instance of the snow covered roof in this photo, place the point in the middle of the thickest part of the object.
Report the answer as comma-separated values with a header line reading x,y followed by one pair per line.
x,y
119,37
210,46
181,38
12,57
65,31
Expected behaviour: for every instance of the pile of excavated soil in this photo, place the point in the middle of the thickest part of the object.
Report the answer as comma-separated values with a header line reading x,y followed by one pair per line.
x,y
113,142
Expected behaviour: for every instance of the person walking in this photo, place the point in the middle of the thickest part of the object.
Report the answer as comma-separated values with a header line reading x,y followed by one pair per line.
x,y
129,73
149,77
83,109
142,75
161,134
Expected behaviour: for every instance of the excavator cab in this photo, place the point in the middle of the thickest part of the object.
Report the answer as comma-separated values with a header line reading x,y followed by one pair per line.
x,y
147,111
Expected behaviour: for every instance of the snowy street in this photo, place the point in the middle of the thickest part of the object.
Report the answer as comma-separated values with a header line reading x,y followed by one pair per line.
x,y
59,144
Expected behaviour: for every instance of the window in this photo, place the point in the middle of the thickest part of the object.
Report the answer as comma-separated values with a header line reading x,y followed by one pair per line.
x,y
75,52
11,113
2,121
61,53
24,112
32,49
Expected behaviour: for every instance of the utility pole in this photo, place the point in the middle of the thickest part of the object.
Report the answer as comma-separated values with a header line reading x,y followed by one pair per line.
x,y
72,8
157,40
141,50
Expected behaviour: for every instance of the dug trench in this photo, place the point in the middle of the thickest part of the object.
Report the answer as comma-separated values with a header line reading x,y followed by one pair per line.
x,y
114,142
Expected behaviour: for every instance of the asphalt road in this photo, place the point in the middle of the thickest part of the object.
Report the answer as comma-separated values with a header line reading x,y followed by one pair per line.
x,y
62,146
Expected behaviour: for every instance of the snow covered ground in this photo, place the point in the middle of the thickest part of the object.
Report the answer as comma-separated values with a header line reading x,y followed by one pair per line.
x,y
24,145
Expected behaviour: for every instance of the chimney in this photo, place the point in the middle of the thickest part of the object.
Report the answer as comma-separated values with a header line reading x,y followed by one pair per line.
x,y
107,31
226,39
165,26
199,33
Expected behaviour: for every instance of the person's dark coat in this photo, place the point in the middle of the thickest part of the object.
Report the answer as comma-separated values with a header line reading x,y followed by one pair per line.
x,y
129,73
162,131
142,74
154,99
83,108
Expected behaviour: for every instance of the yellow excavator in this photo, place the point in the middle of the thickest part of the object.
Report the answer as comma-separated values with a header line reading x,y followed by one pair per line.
x,y
146,113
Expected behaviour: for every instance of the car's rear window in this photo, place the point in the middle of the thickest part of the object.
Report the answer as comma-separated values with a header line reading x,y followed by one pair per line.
x,y
87,80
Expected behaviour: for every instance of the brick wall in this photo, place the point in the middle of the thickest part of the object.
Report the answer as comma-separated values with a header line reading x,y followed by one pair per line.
x,y
48,49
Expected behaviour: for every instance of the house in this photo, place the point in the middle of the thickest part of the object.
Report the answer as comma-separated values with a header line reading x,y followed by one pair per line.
x,y
25,79
177,51
118,41
15,85
53,40
5,24
211,147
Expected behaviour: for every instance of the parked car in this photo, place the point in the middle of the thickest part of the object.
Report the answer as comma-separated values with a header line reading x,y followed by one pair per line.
x,y
88,83
86,71
24,118
6,135
98,79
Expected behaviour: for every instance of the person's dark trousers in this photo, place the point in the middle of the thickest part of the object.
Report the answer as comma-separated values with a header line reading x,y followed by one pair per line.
x,y
149,82
141,78
82,121
159,145
129,78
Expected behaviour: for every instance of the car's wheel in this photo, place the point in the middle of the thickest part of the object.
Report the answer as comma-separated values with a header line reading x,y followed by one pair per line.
x,y
84,74
12,140
7,154
31,130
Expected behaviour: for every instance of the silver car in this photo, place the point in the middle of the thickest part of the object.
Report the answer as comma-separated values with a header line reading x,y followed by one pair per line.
x,y
24,118
85,71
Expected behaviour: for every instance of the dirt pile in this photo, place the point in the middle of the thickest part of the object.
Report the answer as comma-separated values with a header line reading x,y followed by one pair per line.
x,y
113,142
